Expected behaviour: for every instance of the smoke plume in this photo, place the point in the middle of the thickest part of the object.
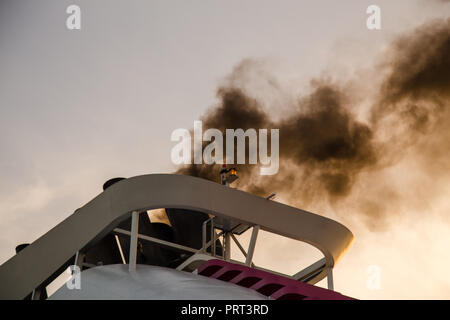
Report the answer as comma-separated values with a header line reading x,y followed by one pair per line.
x,y
325,147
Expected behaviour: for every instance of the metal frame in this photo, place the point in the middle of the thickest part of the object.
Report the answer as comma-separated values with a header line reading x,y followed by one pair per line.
x,y
21,274
133,240
157,241
312,274
330,281
252,245
241,248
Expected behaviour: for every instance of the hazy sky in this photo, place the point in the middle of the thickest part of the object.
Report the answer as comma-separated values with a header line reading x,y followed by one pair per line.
x,y
79,107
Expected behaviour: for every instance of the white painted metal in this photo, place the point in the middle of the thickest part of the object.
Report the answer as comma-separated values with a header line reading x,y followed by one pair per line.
x,y
114,282
119,246
133,240
79,259
159,241
241,249
310,273
194,261
213,238
20,275
252,245
227,246
330,278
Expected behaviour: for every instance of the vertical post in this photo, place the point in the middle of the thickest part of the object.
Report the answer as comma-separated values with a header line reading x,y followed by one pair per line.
x,y
133,240
213,238
330,278
76,257
252,245
79,259
36,295
227,245
204,236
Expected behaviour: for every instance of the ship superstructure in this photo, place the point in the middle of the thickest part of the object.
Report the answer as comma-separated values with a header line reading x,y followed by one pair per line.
x,y
123,255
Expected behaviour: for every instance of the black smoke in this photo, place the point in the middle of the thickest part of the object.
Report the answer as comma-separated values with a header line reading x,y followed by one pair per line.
x,y
324,147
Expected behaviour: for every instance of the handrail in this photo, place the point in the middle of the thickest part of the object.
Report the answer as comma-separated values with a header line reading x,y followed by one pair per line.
x,y
34,264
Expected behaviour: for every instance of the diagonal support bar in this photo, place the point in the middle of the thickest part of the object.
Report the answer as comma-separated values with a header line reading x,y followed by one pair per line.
x,y
241,248
252,245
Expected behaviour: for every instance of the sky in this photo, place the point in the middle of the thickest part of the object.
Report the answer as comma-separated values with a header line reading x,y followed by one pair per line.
x,y
78,107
